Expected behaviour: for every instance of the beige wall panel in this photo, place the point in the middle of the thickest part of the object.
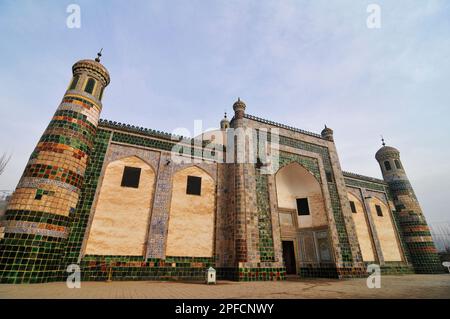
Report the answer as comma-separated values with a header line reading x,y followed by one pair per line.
x,y
294,181
362,230
122,214
191,219
385,230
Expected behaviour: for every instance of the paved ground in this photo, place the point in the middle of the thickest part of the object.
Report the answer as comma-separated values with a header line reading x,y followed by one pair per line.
x,y
407,286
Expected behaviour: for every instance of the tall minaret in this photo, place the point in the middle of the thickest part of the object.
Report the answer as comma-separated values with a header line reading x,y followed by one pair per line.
x,y
37,217
412,223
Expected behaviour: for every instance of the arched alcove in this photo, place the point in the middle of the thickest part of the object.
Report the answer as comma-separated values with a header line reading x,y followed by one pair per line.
x,y
191,219
123,209
386,232
294,183
362,228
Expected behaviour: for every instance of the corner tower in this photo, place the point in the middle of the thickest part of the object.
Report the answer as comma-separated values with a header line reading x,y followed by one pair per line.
x,y
37,217
412,223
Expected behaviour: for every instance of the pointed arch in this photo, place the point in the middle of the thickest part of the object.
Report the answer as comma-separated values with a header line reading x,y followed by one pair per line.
x,y
122,214
134,158
294,162
194,166
294,182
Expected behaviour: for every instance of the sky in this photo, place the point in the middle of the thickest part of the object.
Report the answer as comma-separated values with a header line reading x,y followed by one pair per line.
x,y
301,63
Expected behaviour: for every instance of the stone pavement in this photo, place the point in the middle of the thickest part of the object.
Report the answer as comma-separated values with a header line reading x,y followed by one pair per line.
x,y
406,286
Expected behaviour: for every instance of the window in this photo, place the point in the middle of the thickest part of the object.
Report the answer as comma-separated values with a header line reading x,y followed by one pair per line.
x,y
74,82
387,165
397,164
353,207
379,211
130,177
329,177
194,185
89,88
302,206
101,93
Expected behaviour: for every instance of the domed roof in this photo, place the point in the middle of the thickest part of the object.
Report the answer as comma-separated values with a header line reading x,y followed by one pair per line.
x,y
224,123
93,65
239,104
386,151
327,130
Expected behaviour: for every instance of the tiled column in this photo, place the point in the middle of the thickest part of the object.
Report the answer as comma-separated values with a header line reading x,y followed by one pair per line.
x,y
352,240
161,206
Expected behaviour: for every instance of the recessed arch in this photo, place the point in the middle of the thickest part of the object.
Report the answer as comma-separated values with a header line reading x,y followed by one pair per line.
x,y
386,232
191,219
134,158
293,181
122,214
362,228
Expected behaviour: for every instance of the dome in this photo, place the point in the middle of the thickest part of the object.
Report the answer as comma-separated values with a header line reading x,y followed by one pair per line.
x,y
326,131
92,66
387,151
239,105
224,123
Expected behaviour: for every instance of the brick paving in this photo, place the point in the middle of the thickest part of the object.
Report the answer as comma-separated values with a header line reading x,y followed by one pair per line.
x,y
407,286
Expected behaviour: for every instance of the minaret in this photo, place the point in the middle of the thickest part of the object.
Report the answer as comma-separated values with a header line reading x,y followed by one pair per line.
x,y
412,223
37,217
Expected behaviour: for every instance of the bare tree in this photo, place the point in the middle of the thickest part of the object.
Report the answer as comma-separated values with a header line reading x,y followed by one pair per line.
x,y
4,159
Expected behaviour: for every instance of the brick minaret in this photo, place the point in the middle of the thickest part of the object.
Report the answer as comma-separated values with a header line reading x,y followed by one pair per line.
x,y
37,217
412,223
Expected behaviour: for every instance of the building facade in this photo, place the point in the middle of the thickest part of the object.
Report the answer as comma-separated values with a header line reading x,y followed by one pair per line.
x,y
129,203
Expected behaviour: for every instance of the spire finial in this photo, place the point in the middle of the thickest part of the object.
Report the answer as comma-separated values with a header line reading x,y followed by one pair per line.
x,y
326,126
99,54
225,115
382,141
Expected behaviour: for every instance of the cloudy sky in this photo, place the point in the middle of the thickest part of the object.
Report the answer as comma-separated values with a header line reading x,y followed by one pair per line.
x,y
302,63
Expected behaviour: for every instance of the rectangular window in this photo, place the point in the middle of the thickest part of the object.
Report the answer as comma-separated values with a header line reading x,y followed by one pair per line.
x,y
353,207
329,177
74,82
387,165
90,86
379,211
130,177
302,206
194,185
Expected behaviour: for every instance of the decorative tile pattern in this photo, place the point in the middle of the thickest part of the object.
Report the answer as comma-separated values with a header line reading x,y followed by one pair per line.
x,y
80,216
266,249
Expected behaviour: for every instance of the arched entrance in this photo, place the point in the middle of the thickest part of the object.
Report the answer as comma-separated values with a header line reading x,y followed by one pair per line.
x,y
303,219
